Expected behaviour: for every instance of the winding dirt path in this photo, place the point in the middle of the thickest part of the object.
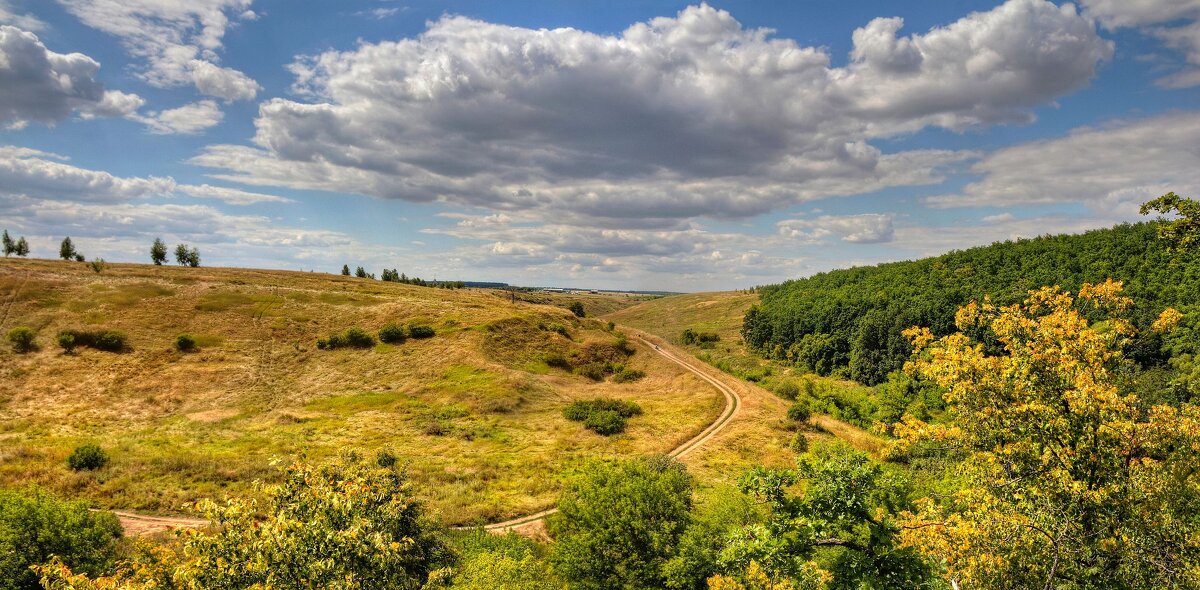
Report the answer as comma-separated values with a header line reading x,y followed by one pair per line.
x,y
138,524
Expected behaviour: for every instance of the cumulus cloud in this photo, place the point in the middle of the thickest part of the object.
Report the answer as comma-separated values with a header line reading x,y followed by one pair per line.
x,y
871,228
37,84
36,174
1175,22
179,41
187,120
1110,169
677,117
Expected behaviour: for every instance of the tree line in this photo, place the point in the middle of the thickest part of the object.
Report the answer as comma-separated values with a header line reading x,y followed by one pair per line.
x,y
394,276
849,322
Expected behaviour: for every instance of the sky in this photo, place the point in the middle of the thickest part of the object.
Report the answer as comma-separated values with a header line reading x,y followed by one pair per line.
x,y
615,144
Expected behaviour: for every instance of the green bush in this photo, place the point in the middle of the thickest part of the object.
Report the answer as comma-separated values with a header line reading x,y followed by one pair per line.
x,y
22,339
556,360
788,390
36,527
66,341
598,414
351,338
385,459
576,308
593,371
799,443
87,457
605,422
800,411
418,331
106,340
185,343
628,375
392,334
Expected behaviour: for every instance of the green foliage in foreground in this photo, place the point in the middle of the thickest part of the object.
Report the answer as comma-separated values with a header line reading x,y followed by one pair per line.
x,y
340,526
35,527
618,525
106,340
849,322
23,339
87,457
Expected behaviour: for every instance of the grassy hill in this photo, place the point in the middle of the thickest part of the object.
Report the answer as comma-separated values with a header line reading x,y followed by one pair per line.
x,y
475,411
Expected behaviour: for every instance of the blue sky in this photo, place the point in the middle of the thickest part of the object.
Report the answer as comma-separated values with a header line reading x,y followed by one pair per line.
x,y
645,145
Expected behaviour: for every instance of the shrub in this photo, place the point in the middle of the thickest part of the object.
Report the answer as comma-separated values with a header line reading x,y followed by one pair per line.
x,y
185,343
788,390
605,422
604,415
799,411
385,459
36,527
556,360
87,457
392,334
576,308
420,331
557,328
799,443
110,340
628,375
97,265
66,341
22,339
351,338
593,371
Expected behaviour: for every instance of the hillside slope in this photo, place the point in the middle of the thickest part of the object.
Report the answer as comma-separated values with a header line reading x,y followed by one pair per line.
x,y
475,410
850,321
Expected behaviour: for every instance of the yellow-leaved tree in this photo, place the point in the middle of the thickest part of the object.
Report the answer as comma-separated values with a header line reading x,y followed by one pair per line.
x,y
1067,480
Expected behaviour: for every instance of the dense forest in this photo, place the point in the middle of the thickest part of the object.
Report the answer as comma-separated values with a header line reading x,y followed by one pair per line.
x,y
849,322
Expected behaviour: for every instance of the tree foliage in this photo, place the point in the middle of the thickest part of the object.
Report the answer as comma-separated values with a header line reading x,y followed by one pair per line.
x,y
850,322
186,256
66,250
343,525
158,252
36,527
1182,233
1068,480
618,524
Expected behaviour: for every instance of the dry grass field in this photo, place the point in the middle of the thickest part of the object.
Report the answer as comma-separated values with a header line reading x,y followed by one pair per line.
x,y
474,411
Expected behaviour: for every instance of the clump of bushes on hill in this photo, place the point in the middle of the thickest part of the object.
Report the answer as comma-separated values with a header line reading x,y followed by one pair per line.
x,y
393,334
185,343
351,338
87,457
691,336
604,416
22,339
420,331
627,375
106,340
593,371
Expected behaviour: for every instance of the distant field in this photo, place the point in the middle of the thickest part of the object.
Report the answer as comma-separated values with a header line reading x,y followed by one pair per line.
x,y
721,313
474,411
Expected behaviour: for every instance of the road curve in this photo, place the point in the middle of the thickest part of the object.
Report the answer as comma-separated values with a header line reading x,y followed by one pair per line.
x,y
138,524
733,405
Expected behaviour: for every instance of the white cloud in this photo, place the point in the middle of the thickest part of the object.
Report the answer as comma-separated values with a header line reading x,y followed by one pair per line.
x,y
1110,169
187,119
380,13
692,115
870,228
1175,22
9,16
179,41
35,174
37,84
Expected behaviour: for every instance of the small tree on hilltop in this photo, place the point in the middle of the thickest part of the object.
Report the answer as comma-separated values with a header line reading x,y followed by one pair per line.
x,y
158,252
181,254
22,248
345,270
360,272
193,257
10,247
66,250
